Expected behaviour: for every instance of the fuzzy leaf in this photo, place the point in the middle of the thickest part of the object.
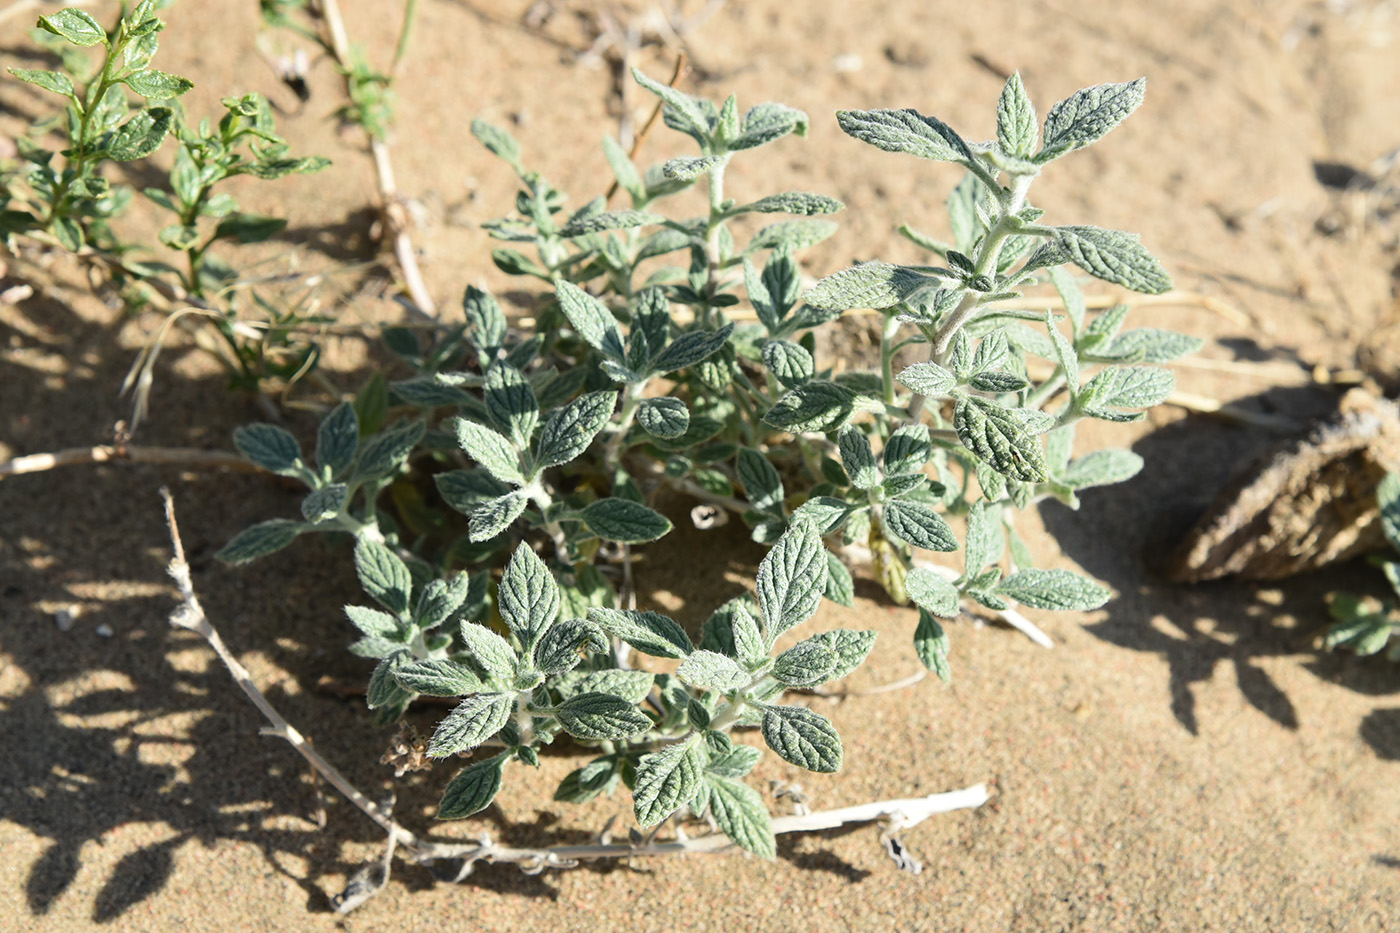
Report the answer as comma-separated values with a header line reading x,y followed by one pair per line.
x,y
690,348
791,579
473,789
762,484
792,202
1111,255
1129,387
1102,468
325,503
767,122
383,575
667,418
932,593
1150,345
985,539
1016,122
499,142
927,379
868,285
905,131
998,437
649,632
919,525
488,519
77,26
850,647
570,430
805,664
1054,589
803,738
55,81
591,318
689,168
528,597
337,440
475,720
713,671
840,585
611,220
1087,115
740,814
813,406
157,85
386,451
270,447
511,403
857,458
666,780
601,716
439,677
373,622
140,136
624,521
931,645
789,363
260,540
632,686
686,113
791,235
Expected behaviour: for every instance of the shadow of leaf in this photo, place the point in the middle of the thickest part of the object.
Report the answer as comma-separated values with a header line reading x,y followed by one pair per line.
x,y
136,877
1380,729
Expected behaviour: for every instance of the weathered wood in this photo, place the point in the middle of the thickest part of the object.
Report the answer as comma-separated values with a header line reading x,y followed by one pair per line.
x,y
1306,505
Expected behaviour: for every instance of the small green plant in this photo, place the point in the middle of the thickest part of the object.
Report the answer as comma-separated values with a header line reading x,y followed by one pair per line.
x,y
65,194
1366,625
551,448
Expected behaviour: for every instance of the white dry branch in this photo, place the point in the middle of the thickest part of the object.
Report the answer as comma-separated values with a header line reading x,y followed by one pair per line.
x,y
893,815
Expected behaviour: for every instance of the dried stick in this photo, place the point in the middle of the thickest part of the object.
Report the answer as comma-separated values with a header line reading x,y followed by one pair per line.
x,y
896,814
117,453
391,206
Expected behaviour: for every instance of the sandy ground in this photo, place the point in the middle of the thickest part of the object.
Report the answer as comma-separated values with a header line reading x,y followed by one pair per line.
x,y
1184,759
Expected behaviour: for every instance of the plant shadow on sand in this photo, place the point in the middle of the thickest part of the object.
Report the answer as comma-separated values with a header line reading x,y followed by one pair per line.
x,y
1124,535
142,732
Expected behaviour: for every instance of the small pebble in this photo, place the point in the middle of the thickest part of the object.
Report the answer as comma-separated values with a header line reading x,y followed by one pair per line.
x,y
64,618
104,630
847,63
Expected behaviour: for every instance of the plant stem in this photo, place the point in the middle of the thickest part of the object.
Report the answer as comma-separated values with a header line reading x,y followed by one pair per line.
x,y
887,351
631,400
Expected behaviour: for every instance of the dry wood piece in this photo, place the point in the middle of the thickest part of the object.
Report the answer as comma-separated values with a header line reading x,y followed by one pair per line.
x,y
1304,506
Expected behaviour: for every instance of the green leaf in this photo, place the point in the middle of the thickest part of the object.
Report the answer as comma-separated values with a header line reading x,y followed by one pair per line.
x,y
249,228
931,645
611,220
905,131
570,429
762,484
157,85
791,235
624,521
337,440
439,599
511,403
488,519
1111,255
932,593
711,670
558,651
803,738
985,539
485,320
1129,387
74,25
690,348
740,814
383,690
632,686
624,170
813,406
1016,122
475,720
1054,589
140,136
682,111
55,81
736,762
689,168
826,513
1388,498
789,363
325,503
491,450
919,525
260,540
473,789
791,578
383,575
857,458
270,447
373,622
499,142
664,417
492,652
666,780
1101,468
648,632
1087,115
907,450
439,677
840,585
386,451
868,285
792,202
582,785
998,437
601,716
767,122
528,597
591,318
1150,345
805,664
850,647
1065,353
928,379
